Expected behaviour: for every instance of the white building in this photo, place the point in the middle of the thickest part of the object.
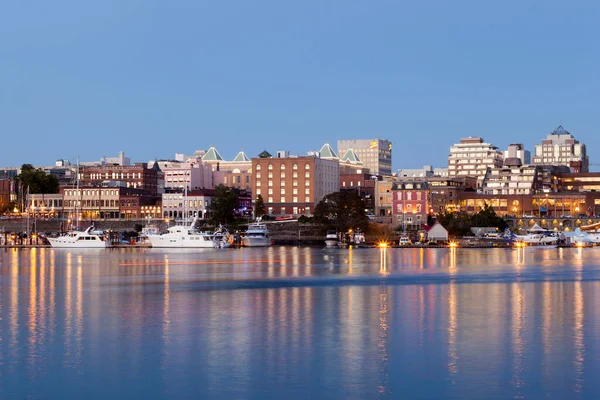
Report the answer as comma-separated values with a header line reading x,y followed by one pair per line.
x,y
192,173
472,157
517,151
186,206
561,148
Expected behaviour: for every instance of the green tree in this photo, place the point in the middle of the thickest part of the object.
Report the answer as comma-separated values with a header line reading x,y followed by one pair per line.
x,y
259,207
37,180
342,211
486,217
223,205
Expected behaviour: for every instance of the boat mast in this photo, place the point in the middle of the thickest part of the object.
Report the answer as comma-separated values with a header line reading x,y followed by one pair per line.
x,y
78,194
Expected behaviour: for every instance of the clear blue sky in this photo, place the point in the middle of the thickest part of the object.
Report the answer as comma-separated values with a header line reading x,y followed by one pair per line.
x,y
150,78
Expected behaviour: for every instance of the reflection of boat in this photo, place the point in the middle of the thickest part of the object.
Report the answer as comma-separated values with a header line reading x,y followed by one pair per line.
x,y
88,239
257,235
331,239
186,236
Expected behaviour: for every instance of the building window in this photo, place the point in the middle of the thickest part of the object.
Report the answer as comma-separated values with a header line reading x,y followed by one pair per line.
x,y
295,174
295,191
307,174
295,199
282,166
295,210
282,191
306,166
283,175
270,190
270,175
307,199
258,167
282,210
270,200
270,167
258,175
282,199
307,191
270,210
270,183
257,192
295,166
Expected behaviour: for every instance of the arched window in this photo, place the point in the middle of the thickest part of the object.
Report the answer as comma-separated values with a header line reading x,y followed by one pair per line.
x,y
306,166
295,166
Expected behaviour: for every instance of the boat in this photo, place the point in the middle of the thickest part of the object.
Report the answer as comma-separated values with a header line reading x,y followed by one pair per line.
x,y
87,239
331,239
537,237
404,241
186,236
257,235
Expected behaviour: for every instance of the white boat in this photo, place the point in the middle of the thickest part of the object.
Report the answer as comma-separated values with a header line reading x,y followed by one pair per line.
x,y
404,241
181,236
88,239
331,239
257,235
537,237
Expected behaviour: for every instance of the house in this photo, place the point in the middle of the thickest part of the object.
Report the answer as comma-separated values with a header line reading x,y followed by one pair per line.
x,y
436,232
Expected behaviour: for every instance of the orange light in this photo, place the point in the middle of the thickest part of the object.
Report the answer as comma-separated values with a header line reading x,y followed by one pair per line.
x,y
453,244
382,244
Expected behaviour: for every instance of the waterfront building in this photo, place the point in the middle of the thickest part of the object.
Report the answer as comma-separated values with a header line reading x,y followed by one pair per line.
x,y
383,199
186,205
46,205
6,191
363,184
561,148
579,182
94,203
444,192
410,204
293,185
472,157
376,154
137,176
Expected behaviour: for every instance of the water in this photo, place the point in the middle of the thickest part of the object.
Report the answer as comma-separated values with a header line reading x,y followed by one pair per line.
x,y
289,322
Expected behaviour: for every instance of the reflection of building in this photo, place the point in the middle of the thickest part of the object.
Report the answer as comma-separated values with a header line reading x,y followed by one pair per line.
x,y
561,148
376,154
472,157
294,185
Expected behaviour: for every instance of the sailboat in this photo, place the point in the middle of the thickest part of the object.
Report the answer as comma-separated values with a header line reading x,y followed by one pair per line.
x,y
74,238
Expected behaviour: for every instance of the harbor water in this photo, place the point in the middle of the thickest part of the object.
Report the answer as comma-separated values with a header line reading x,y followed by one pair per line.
x,y
300,322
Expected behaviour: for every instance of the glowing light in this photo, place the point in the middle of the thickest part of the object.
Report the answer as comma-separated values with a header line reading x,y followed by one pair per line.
x,y
453,244
382,244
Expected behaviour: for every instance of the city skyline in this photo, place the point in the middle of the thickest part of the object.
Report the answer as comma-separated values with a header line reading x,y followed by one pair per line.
x,y
91,80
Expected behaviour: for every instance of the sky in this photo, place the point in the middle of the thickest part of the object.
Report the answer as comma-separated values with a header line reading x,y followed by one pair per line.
x,y
155,78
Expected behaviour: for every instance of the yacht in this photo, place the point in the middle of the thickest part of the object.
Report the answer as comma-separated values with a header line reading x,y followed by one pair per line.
x,y
331,239
182,236
257,235
88,239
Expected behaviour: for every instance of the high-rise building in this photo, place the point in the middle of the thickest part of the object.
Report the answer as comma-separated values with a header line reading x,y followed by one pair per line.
x,y
561,148
472,157
376,154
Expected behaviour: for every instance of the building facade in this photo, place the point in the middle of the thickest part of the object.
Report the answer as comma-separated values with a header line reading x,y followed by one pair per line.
x,y
375,154
138,176
192,174
561,148
294,185
472,157
410,204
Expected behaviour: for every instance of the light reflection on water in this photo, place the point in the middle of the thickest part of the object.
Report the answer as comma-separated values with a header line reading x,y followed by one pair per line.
x,y
299,322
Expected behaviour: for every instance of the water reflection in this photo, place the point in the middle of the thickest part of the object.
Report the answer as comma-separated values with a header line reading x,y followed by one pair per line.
x,y
366,323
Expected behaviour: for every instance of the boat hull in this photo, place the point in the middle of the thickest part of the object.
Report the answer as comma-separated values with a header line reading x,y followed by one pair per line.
x,y
163,241
331,242
88,244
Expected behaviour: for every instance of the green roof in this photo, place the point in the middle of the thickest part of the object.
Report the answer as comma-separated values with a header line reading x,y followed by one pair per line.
x,y
351,157
327,152
212,155
241,157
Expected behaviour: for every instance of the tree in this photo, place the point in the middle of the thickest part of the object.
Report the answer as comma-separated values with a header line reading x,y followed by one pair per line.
x,y
259,207
342,211
223,205
37,180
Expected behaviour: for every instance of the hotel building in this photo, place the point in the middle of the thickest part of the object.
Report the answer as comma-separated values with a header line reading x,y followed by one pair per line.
x,y
294,185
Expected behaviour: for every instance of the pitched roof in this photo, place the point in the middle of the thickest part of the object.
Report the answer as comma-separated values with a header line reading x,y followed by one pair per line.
x,y
351,157
265,154
212,155
560,131
241,157
327,152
